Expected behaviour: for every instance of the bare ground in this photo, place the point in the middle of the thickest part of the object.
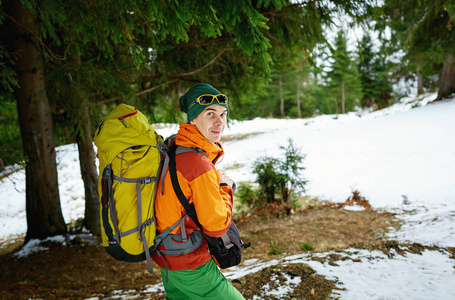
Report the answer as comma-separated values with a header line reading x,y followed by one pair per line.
x,y
82,269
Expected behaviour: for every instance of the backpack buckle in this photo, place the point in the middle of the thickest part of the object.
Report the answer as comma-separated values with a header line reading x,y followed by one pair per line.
x,y
147,180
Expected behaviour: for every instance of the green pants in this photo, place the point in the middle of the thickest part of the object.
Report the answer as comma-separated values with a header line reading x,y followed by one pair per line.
x,y
206,282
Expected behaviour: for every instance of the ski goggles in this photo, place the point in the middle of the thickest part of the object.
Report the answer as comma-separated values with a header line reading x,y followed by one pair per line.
x,y
208,99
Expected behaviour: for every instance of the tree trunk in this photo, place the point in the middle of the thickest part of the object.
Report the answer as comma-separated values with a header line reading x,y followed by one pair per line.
x,y
343,110
447,85
88,172
419,82
86,153
336,106
299,114
44,213
281,98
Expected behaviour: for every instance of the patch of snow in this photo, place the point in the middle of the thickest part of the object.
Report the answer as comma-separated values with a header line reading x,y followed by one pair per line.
x,y
402,159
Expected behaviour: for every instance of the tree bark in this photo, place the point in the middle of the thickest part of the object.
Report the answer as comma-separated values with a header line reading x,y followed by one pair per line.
x,y
419,82
343,110
88,172
299,114
336,106
447,85
281,97
86,154
44,214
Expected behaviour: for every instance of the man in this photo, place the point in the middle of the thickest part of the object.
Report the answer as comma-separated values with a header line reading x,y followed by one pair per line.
x,y
195,275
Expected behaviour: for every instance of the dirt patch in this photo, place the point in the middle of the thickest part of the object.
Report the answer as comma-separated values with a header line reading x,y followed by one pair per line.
x,y
69,272
324,228
83,270
302,281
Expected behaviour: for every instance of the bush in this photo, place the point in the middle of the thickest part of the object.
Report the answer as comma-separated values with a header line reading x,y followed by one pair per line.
x,y
275,249
304,246
247,195
277,179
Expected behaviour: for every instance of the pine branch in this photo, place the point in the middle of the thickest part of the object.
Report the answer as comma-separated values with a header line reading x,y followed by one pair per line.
x,y
109,100
155,87
206,65
204,43
177,77
274,10
32,33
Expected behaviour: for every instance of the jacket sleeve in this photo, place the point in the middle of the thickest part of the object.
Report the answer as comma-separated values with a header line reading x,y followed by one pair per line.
x,y
213,203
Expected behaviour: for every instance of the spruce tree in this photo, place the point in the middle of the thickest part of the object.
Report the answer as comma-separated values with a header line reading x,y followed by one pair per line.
x,y
343,78
106,33
374,71
95,54
366,70
425,30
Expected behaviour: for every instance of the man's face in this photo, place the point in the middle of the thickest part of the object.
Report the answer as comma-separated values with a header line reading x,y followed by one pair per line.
x,y
211,122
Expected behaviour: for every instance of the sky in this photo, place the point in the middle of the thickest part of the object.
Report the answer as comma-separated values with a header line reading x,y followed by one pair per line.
x,y
406,151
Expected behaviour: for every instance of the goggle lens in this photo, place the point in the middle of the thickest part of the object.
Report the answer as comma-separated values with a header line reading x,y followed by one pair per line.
x,y
205,99
221,99
208,99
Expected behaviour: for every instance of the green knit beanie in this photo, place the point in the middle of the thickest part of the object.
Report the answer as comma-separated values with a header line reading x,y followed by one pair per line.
x,y
190,97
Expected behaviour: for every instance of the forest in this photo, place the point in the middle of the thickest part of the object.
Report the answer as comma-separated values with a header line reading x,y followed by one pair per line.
x,y
64,65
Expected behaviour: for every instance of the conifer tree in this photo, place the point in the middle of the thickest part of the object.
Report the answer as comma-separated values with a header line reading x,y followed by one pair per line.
x,y
366,70
383,68
97,53
373,68
107,32
425,30
343,78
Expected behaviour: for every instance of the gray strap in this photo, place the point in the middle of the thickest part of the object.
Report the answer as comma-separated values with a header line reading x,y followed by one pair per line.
x,y
164,171
168,230
164,164
146,250
112,211
183,149
142,226
113,214
128,232
131,231
165,264
226,241
139,207
183,230
121,164
145,180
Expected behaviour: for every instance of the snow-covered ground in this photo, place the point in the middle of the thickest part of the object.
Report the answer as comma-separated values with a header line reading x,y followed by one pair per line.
x,y
401,158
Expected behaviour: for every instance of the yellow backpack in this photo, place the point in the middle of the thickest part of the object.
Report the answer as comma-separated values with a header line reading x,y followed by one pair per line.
x,y
130,154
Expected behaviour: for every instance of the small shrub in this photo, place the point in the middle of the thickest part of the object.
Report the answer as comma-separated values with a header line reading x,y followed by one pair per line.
x,y
247,195
275,249
279,179
305,247
268,177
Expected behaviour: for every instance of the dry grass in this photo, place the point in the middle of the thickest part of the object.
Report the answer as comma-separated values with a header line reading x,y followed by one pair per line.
x,y
324,228
82,270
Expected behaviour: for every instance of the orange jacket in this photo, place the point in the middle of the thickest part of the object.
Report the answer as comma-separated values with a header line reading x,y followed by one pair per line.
x,y
200,182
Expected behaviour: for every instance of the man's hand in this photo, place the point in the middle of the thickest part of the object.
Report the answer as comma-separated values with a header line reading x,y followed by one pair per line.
x,y
225,179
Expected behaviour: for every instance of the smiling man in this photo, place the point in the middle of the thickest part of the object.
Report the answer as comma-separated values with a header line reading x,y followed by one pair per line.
x,y
211,122
195,275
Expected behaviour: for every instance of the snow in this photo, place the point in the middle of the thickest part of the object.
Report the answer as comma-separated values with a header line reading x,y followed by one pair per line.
x,y
402,159
426,276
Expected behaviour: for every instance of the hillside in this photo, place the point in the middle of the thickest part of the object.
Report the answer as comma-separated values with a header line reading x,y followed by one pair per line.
x,y
401,159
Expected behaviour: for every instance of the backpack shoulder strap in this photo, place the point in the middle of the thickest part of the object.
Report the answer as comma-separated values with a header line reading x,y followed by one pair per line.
x,y
189,208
